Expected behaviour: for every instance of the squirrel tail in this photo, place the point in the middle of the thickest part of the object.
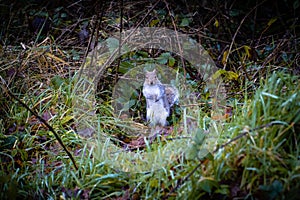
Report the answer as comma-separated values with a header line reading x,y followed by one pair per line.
x,y
172,95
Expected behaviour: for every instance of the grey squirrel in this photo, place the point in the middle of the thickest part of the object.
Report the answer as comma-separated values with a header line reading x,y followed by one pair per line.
x,y
159,99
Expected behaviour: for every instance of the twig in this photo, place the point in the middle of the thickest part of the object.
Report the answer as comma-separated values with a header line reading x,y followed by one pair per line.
x,y
89,44
120,39
6,89
177,38
237,30
244,133
126,38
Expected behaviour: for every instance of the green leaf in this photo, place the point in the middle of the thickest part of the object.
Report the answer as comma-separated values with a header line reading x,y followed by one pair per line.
x,y
216,24
224,189
271,21
191,153
162,61
57,81
112,44
229,75
218,73
165,55
247,50
125,67
171,61
271,191
185,22
202,153
8,142
63,15
128,104
232,75
154,22
207,184
144,54
234,12
199,137
209,156
165,58
66,119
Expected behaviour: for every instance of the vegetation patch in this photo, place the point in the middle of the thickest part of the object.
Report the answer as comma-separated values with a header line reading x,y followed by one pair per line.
x,y
65,136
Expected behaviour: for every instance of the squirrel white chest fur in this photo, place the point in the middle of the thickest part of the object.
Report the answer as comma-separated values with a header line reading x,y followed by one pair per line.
x,y
158,105
153,92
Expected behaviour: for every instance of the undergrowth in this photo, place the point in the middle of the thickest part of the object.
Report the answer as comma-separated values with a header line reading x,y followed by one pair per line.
x,y
262,163
250,150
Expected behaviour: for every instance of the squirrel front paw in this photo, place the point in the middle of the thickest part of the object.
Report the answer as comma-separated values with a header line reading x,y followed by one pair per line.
x,y
153,97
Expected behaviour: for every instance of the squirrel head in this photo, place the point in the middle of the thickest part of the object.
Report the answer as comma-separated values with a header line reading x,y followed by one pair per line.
x,y
151,78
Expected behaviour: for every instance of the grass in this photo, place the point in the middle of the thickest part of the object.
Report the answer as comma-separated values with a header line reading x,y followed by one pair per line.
x,y
249,150
263,163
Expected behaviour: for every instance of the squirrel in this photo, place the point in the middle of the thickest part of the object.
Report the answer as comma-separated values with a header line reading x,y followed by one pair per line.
x,y
159,99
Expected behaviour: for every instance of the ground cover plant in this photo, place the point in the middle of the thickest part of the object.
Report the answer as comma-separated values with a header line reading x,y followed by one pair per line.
x,y
248,150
